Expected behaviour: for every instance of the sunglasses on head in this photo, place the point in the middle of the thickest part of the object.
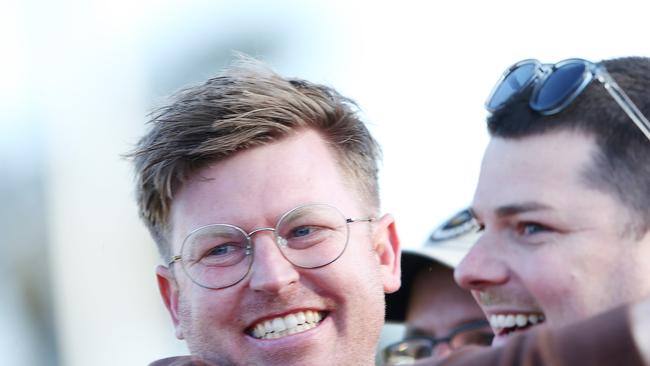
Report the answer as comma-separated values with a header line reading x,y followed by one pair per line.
x,y
556,86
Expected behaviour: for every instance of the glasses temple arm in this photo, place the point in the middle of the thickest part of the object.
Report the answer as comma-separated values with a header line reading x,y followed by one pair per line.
x,y
173,259
624,101
351,220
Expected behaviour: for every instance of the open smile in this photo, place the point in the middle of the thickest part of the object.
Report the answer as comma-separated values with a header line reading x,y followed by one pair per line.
x,y
506,323
282,326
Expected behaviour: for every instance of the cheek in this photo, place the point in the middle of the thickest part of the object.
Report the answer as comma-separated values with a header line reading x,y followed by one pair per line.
x,y
555,281
202,310
354,272
355,278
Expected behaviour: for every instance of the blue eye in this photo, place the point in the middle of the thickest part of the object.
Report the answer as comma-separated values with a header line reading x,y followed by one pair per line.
x,y
302,231
223,249
307,236
223,255
532,228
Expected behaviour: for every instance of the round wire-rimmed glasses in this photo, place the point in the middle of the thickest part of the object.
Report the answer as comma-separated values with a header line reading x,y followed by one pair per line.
x,y
217,256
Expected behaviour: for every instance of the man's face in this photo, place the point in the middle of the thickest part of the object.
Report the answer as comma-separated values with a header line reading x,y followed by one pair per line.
x,y
439,308
554,249
253,189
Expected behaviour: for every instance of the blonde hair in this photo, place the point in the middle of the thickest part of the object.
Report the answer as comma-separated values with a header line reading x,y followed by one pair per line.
x,y
247,105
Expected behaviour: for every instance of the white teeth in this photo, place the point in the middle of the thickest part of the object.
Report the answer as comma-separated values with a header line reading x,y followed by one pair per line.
x,y
502,321
521,320
278,325
259,330
291,321
302,327
493,321
309,316
300,317
289,324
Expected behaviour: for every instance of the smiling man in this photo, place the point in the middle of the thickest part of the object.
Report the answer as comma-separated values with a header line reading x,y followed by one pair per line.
x,y
569,237
261,193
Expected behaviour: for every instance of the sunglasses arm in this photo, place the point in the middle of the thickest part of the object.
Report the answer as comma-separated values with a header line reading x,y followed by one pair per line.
x,y
624,101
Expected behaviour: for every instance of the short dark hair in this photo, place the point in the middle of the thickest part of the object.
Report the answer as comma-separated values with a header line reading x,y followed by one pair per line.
x,y
621,165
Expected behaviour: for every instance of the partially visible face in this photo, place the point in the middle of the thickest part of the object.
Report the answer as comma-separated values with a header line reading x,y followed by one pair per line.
x,y
253,189
553,249
438,308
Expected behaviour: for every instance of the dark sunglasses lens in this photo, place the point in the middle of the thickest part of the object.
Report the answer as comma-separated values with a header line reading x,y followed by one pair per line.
x,y
559,86
513,83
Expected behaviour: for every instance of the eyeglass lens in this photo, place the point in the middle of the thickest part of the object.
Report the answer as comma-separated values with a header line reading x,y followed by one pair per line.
x,y
220,255
482,337
312,236
408,351
559,85
216,255
513,83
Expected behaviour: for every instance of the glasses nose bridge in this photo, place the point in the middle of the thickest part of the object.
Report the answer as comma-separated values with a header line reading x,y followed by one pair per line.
x,y
276,239
259,229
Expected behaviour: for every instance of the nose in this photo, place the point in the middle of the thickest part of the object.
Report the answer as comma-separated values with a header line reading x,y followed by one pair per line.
x,y
483,266
270,272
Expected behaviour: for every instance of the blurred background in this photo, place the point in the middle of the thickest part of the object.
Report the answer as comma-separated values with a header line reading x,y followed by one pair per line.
x,y
77,79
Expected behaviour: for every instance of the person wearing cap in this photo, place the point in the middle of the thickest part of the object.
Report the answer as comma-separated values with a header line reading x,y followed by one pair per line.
x,y
439,316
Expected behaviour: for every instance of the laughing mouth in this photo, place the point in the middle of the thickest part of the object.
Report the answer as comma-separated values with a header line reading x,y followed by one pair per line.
x,y
282,326
504,324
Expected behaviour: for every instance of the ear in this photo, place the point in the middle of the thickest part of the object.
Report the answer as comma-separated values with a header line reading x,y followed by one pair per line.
x,y
168,288
387,247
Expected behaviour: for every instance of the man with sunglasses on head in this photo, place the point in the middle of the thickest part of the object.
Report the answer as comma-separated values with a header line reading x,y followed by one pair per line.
x,y
261,194
439,316
569,238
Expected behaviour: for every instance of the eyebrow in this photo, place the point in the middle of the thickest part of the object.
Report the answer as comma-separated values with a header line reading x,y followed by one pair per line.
x,y
515,209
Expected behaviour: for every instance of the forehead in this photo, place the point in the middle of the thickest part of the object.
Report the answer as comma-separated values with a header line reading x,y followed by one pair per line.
x,y
547,168
255,187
